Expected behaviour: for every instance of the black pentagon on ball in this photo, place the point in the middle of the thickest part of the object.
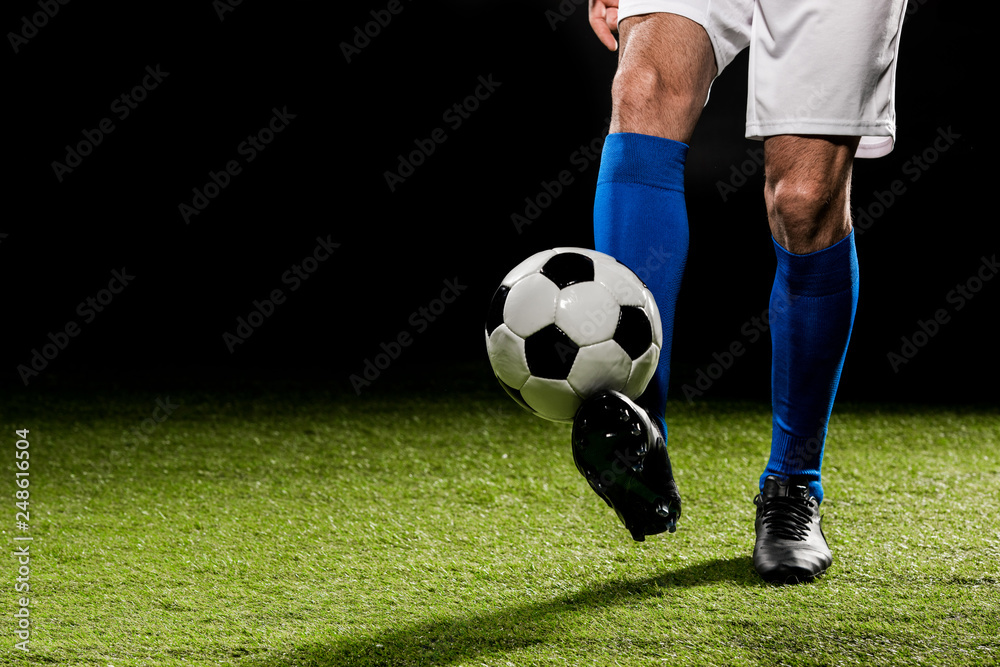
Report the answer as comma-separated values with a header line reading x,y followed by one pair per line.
x,y
494,314
550,353
567,268
634,332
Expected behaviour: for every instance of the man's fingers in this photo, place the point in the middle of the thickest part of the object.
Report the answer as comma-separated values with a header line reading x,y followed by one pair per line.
x,y
602,31
604,19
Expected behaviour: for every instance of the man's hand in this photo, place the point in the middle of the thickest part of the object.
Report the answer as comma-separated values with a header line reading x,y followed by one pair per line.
x,y
604,21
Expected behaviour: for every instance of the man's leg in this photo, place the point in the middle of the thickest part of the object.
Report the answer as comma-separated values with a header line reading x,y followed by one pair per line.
x,y
666,65
815,292
812,307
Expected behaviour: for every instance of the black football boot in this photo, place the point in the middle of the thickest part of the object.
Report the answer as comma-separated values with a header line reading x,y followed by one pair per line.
x,y
790,547
622,453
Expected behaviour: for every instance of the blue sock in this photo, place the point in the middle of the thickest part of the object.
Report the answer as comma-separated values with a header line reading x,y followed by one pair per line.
x,y
640,218
812,308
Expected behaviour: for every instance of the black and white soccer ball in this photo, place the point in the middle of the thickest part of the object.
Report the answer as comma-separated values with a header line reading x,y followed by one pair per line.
x,y
567,323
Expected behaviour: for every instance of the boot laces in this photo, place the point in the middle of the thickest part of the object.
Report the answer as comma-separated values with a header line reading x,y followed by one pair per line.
x,y
787,517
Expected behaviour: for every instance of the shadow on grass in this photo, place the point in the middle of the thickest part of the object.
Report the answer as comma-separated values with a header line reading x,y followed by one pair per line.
x,y
463,638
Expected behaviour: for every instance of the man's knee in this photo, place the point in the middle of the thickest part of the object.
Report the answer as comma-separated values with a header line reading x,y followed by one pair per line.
x,y
807,191
800,202
807,214
643,88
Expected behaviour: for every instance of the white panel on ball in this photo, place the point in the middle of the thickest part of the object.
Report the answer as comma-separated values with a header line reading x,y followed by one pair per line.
x,y
622,283
642,372
654,316
553,399
530,305
587,313
506,351
599,367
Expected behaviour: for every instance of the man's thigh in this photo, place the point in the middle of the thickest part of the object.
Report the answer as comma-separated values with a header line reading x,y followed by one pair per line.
x,y
725,22
666,65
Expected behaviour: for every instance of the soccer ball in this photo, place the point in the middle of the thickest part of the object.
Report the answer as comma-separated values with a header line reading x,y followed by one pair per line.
x,y
567,323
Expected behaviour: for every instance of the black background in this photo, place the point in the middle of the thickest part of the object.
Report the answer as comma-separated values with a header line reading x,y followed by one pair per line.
x,y
324,176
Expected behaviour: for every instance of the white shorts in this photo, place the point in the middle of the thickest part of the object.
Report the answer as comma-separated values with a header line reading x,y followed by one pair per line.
x,y
816,66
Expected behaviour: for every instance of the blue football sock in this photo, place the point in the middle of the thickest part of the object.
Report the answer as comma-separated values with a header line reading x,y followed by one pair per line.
x,y
812,307
640,218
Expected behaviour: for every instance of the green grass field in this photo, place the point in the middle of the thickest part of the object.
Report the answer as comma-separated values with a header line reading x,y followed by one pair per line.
x,y
289,527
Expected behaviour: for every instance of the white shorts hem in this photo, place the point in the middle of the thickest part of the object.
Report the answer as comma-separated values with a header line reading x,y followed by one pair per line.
x,y
877,139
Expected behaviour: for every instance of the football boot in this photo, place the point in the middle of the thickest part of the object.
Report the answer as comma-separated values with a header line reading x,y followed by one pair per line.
x,y
790,545
622,454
